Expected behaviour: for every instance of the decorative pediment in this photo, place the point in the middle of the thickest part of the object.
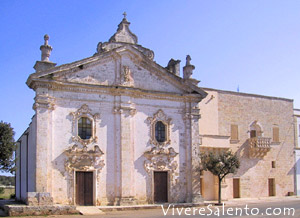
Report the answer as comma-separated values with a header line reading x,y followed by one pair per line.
x,y
84,111
160,159
159,116
83,159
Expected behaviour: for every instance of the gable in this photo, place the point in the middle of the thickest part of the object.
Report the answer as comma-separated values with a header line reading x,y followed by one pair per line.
x,y
100,73
124,66
146,78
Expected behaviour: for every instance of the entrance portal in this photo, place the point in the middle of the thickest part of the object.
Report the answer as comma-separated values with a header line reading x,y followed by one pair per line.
x,y
160,186
84,188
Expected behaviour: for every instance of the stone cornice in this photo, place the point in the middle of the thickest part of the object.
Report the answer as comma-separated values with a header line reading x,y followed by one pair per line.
x,y
114,90
247,94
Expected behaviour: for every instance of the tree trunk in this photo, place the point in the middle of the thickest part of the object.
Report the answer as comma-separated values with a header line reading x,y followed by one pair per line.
x,y
219,200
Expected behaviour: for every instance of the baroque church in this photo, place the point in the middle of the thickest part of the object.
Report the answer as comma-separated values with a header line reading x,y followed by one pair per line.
x,y
117,128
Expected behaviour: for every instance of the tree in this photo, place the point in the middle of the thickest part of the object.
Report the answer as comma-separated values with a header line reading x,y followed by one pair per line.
x,y
7,147
220,165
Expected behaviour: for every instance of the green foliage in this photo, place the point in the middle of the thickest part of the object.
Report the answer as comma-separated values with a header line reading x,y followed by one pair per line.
x,y
7,180
220,165
7,147
1,190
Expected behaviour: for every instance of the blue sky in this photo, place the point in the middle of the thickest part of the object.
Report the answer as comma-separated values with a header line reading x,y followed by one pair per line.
x,y
251,44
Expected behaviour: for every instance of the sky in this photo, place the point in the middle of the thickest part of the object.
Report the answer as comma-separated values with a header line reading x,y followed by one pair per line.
x,y
250,44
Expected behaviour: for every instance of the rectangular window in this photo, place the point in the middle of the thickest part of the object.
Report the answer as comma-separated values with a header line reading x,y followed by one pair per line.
x,y
275,134
273,164
234,132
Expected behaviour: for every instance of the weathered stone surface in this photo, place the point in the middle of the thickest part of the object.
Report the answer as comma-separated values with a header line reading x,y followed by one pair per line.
x,y
22,210
219,111
125,87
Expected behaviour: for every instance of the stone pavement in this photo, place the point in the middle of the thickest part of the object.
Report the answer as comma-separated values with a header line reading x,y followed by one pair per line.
x,y
22,209
243,201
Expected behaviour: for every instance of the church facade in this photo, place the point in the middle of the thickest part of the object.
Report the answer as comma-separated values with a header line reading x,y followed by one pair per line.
x,y
116,128
112,129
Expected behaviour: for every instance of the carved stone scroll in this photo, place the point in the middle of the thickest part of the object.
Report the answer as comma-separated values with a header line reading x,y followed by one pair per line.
x,y
83,159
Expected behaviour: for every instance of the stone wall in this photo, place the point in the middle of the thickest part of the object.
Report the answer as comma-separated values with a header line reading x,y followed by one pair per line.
x,y
256,167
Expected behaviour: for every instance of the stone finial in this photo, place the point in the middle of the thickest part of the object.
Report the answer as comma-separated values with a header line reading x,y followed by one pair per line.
x,y
188,60
188,68
123,33
46,49
45,63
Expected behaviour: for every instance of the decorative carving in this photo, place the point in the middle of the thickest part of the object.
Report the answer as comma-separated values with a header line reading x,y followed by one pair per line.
x,y
127,77
83,159
194,114
159,116
84,111
160,159
129,111
44,101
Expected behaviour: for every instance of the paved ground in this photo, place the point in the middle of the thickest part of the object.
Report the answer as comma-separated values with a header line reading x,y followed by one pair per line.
x,y
275,209
248,208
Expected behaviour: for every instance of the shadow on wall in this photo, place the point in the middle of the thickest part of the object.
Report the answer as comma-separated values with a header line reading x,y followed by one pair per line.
x,y
59,164
244,152
139,166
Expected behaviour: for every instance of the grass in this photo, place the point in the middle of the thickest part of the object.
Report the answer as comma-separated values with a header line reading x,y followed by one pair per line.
x,y
7,193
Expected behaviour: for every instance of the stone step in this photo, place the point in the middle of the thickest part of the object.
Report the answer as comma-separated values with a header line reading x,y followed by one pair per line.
x,y
89,210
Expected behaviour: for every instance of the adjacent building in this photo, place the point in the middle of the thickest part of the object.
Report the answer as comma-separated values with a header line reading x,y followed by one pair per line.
x,y
260,129
116,128
297,151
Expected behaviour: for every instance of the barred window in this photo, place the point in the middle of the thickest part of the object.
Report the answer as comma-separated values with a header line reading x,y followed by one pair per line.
x,y
84,128
160,131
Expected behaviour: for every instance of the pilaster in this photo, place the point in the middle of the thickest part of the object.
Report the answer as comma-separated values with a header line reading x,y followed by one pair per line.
x,y
43,106
127,111
192,117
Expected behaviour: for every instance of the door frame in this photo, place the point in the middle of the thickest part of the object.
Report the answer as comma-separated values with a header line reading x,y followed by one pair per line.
x,y
168,184
94,185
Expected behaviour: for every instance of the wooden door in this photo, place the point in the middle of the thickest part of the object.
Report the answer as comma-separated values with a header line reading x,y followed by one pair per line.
x,y
160,186
202,186
236,188
271,187
84,188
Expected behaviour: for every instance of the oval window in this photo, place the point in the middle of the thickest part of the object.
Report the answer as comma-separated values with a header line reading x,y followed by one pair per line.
x,y
84,128
160,131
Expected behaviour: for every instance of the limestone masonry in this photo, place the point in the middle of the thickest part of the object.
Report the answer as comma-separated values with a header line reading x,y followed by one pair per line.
x,y
116,128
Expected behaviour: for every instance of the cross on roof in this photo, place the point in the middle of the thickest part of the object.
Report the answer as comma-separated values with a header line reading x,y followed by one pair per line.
x,y
124,14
